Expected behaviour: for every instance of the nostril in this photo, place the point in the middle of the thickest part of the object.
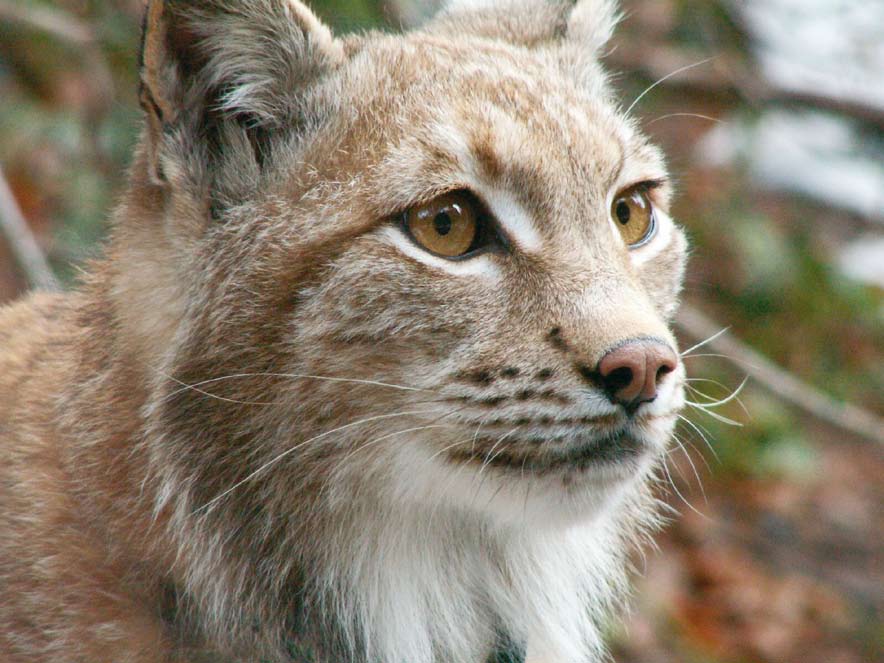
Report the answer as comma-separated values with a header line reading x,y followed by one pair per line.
x,y
618,378
665,360
622,372
663,371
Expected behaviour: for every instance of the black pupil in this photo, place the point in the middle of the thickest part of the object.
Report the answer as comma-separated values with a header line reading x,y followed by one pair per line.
x,y
442,223
623,213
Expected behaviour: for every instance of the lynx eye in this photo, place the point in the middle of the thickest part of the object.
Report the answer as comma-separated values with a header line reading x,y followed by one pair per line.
x,y
448,225
633,215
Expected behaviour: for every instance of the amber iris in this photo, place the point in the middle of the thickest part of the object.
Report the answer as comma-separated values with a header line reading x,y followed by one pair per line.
x,y
447,225
633,215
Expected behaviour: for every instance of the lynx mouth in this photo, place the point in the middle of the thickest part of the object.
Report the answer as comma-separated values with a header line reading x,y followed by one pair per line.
x,y
583,454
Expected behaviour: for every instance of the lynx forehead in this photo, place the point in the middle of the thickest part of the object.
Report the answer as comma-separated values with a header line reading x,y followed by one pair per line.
x,y
377,367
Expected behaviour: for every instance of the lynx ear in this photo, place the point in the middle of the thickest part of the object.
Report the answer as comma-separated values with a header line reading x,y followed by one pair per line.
x,y
591,24
529,23
532,23
209,64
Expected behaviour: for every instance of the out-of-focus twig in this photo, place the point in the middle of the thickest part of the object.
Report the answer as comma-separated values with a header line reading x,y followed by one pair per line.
x,y
845,416
22,241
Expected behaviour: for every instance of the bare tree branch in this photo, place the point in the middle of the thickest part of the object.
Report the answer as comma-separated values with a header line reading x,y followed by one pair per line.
x,y
783,384
22,241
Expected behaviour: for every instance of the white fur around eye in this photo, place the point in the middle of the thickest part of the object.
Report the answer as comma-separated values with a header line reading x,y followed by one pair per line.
x,y
482,265
512,217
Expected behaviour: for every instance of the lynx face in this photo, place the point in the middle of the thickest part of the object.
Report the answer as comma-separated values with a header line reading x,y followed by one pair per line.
x,y
503,339
449,232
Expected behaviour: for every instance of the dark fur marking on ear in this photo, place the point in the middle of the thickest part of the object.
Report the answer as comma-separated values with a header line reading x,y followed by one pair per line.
x,y
148,103
259,138
506,650
170,603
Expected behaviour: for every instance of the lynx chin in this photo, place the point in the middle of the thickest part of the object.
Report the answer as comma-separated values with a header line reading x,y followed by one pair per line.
x,y
376,367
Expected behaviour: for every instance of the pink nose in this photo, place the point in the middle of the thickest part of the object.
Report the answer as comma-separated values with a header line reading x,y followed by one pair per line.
x,y
631,373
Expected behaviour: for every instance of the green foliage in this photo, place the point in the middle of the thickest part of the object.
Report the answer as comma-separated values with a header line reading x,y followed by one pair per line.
x,y
351,15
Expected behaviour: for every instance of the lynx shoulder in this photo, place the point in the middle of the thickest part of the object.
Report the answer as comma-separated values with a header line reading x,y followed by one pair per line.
x,y
376,367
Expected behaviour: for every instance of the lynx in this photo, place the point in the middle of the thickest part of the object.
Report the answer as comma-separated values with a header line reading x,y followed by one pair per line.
x,y
376,367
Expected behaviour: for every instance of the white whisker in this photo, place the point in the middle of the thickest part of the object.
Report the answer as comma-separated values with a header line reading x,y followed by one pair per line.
x,y
699,430
478,428
327,378
528,485
693,466
371,443
443,450
712,402
194,387
733,360
290,450
481,474
431,424
697,115
665,78
704,342
678,492
490,456
687,442
715,415
413,429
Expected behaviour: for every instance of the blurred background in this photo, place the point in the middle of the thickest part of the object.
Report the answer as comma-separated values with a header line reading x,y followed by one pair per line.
x,y
772,114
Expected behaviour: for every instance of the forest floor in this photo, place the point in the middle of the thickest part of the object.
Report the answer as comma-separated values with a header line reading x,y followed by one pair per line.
x,y
768,570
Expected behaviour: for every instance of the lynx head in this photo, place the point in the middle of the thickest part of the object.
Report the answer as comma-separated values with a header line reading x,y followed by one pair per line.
x,y
456,232
430,272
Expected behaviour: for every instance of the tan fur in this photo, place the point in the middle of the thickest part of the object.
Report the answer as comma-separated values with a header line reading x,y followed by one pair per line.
x,y
174,487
